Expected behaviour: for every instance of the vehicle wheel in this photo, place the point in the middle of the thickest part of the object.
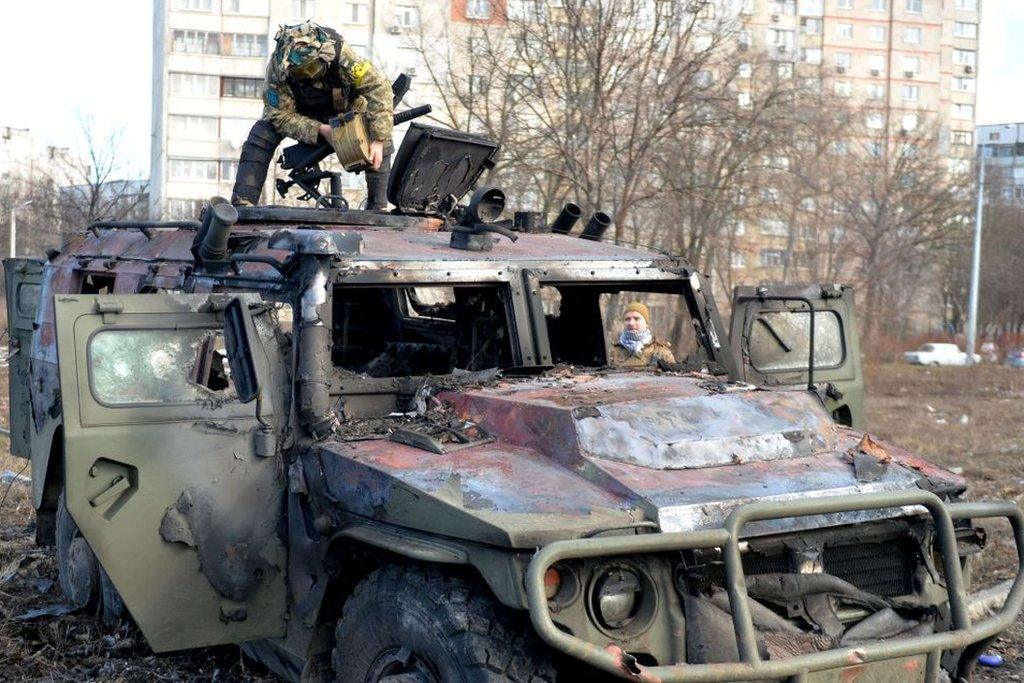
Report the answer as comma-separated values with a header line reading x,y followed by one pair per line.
x,y
413,624
77,567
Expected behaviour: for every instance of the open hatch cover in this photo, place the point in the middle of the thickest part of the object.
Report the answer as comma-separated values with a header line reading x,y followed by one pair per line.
x,y
433,163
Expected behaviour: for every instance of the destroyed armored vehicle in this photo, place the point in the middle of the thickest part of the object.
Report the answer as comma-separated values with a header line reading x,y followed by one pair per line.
x,y
387,447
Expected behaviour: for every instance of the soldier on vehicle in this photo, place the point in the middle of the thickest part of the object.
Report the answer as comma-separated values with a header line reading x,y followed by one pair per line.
x,y
637,346
313,75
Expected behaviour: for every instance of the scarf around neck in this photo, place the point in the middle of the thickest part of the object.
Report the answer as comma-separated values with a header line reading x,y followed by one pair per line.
x,y
634,341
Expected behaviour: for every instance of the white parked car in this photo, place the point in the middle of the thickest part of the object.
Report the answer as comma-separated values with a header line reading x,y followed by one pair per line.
x,y
938,354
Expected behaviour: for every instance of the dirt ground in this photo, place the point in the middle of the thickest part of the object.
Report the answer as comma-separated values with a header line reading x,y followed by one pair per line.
x,y
967,418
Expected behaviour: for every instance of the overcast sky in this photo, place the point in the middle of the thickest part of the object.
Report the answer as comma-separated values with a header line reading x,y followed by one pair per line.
x,y
93,58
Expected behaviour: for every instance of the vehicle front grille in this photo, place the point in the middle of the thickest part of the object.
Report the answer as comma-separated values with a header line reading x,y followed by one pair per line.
x,y
885,569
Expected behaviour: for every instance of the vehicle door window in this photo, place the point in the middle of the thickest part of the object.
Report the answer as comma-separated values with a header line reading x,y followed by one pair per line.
x,y
159,366
780,340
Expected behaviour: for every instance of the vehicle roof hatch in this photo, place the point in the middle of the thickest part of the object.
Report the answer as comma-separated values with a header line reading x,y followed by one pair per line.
x,y
434,164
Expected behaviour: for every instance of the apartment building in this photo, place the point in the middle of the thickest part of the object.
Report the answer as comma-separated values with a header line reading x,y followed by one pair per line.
x,y
908,63
1002,151
209,62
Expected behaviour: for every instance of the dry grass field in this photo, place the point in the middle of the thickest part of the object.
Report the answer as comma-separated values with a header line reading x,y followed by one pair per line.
x,y
968,418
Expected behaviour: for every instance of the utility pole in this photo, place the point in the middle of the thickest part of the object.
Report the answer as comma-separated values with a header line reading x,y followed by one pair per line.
x,y
972,310
14,226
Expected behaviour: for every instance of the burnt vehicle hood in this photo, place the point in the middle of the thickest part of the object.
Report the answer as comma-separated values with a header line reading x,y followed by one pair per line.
x,y
570,456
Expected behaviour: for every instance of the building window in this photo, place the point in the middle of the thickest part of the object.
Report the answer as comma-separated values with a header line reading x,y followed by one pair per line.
x,y
961,84
478,84
746,70
874,121
193,127
962,29
844,60
812,26
198,5
235,130
235,86
914,6
192,169
478,9
247,45
228,170
911,65
878,5
773,258
252,7
912,35
876,64
911,93
843,88
808,204
743,99
965,137
964,57
745,38
784,69
962,111
355,12
811,55
844,30
739,228
184,208
783,6
781,38
812,7
844,4
528,10
993,136
840,148
877,34
874,149
908,121
198,42
303,9
736,260
969,5
774,228
407,16
194,85
876,91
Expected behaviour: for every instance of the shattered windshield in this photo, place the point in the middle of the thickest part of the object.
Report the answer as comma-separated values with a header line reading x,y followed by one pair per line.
x,y
131,367
780,340
421,330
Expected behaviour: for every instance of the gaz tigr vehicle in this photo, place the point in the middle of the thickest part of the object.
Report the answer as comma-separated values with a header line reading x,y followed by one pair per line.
x,y
387,447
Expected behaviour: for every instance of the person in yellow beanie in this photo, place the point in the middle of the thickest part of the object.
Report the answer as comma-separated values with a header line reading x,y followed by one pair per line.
x,y
636,346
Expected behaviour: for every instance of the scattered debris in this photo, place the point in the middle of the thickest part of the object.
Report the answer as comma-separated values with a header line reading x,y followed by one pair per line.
x,y
9,477
964,419
992,659
57,610
870,459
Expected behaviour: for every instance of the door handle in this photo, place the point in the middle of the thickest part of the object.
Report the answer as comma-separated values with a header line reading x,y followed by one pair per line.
x,y
119,485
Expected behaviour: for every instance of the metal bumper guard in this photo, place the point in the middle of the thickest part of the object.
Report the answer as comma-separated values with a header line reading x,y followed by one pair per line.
x,y
964,635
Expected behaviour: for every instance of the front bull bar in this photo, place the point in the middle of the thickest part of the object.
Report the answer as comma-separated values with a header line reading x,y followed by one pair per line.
x,y
751,667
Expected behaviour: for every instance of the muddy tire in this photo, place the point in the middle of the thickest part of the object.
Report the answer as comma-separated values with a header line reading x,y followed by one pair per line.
x,y
77,566
420,625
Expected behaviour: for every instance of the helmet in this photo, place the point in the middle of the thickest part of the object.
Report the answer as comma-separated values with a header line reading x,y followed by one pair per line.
x,y
305,50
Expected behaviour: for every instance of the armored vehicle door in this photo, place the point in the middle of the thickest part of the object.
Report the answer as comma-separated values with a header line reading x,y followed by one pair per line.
x,y
22,278
771,338
172,479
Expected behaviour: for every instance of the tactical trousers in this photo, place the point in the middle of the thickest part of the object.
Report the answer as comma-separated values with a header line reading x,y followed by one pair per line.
x,y
258,153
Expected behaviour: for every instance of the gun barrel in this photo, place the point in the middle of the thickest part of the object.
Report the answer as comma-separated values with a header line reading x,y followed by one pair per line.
x,y
414,113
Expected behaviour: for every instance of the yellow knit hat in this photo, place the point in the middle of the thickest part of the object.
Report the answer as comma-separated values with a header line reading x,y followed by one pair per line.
x,y
637,307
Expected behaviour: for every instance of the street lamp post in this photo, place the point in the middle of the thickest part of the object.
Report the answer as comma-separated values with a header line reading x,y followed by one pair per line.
x,y
972,308
14,226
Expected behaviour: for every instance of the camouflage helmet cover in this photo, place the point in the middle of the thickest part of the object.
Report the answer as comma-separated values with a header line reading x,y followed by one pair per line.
x,y
305,49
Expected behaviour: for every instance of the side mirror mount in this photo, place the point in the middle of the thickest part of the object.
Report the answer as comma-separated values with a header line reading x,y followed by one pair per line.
x,y
238,329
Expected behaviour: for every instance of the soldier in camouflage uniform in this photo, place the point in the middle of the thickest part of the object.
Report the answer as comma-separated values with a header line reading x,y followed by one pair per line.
x,y
313,76
637,347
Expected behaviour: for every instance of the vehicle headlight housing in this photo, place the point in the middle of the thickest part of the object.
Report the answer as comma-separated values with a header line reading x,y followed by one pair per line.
x,y
617,597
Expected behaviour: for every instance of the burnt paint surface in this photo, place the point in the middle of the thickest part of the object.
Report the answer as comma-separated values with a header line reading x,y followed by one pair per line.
x,y
537,480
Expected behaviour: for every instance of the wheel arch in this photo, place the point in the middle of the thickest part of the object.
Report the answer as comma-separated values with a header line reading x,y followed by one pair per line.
x,y
48,460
